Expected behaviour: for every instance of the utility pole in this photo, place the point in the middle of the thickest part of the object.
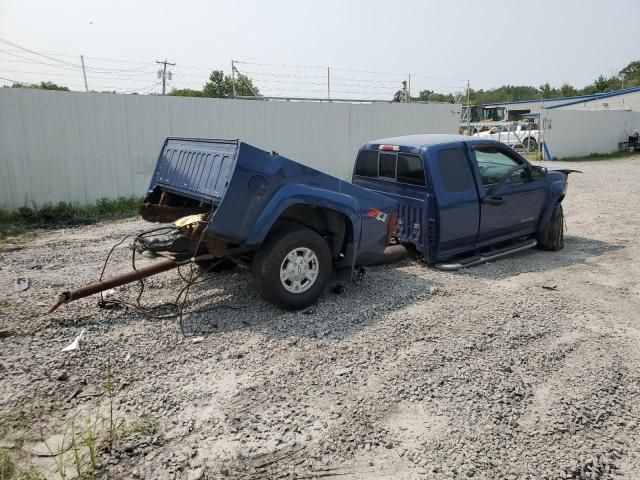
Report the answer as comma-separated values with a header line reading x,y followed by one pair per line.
x,y
328,84
163,74
233,78
84,74
409,90
468,108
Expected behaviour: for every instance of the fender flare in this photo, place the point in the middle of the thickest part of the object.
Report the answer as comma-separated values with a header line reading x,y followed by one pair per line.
x,y
299,194
556,191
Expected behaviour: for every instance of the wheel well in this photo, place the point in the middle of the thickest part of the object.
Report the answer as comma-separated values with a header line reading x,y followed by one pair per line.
x,y
334,227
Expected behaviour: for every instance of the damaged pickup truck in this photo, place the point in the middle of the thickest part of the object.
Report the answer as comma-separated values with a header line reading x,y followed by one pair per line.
x,y
456,201
233,203
464,200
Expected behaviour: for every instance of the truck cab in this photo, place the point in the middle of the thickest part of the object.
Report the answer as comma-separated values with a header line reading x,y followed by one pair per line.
x,y
463,200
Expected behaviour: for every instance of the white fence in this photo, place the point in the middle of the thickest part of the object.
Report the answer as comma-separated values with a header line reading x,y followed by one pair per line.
x,y
574,133
69,146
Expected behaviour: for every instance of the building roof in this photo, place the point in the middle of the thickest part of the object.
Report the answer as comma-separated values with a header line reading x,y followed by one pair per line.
x,y
569,100
537,100
598,96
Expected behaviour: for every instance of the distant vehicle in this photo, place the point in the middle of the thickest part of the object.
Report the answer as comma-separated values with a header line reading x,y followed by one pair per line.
x,y
464,200
479,118
521,135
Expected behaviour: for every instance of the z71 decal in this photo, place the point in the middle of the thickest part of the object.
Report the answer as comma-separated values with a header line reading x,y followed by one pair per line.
x,y
377,214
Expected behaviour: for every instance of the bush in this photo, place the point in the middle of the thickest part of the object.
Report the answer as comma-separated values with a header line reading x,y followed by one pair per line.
x,y
65,214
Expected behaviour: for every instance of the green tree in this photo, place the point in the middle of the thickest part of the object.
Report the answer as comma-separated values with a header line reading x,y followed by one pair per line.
x,y
41,86
547,91
220,85
431,96
567,90
186,92
630,74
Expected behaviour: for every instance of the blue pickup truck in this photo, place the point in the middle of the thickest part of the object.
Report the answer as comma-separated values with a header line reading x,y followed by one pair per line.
x,y
294,226
464,200
457,201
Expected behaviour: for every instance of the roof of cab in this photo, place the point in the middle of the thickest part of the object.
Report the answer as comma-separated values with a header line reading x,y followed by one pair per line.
x,y
422,140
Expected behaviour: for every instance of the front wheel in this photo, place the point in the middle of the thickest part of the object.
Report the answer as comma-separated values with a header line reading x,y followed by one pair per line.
x,y
552,236
293,267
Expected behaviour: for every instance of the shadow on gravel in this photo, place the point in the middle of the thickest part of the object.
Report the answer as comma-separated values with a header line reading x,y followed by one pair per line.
x,y
577,250
232,304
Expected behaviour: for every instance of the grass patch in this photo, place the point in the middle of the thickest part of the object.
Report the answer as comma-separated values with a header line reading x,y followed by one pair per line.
x,y
7,465
25,219
597,156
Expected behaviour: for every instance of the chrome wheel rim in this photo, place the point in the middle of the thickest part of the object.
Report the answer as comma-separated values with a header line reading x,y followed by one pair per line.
x,y
299,270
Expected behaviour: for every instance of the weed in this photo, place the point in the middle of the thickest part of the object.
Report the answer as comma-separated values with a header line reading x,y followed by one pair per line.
x,y
91,441
7,465
31,474
27,218
597,156
145,425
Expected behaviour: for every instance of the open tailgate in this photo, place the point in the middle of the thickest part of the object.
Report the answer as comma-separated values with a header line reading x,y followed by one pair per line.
x,y
199,169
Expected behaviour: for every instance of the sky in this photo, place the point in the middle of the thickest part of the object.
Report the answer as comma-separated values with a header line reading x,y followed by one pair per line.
x,y
370,46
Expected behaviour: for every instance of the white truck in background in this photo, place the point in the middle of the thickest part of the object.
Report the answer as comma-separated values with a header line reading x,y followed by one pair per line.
x,y
520,135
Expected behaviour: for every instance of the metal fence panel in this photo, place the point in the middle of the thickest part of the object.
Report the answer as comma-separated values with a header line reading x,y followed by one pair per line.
x,y
574,133
79,147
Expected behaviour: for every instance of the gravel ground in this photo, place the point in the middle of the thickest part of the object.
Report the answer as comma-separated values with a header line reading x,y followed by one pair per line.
x,y
523,368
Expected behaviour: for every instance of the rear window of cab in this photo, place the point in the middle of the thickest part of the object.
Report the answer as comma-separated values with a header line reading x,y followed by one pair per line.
x,y
396,166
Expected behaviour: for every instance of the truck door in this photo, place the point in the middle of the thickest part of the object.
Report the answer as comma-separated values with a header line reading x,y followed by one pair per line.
x,y
512,196
456,197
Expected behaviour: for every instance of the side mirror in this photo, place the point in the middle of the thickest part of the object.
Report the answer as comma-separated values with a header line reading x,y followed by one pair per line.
x,y
539,170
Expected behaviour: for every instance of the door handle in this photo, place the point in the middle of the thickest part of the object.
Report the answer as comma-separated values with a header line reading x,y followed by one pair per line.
x,y
494,200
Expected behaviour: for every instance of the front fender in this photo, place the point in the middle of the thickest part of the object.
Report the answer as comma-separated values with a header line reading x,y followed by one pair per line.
x,y
299,194
557,189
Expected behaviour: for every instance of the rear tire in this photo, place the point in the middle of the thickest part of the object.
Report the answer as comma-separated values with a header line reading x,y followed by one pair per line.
x,y
551,237
293,267
530,145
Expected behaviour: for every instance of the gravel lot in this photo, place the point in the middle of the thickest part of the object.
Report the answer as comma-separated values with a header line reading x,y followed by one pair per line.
x,y
528,367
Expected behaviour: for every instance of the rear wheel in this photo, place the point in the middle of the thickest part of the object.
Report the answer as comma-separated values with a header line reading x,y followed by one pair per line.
x,y
552,236
293,267
530,144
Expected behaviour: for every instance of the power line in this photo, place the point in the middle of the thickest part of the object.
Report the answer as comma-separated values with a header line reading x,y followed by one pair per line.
x,y
56,74
36,53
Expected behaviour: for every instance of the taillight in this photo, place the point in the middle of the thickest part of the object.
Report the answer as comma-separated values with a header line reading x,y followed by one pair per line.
x,y
389,148
391,226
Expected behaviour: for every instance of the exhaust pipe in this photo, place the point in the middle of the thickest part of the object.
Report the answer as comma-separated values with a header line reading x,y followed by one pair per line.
x,y
391,254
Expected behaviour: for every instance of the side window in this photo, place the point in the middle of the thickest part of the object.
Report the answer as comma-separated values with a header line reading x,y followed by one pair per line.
x,y
367,164
388,165
411,169
494,165
455,171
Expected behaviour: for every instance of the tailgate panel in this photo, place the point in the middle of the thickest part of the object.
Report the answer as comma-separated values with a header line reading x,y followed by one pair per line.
x,y
199,168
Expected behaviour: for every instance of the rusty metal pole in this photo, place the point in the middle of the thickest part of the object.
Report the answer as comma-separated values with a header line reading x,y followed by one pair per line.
x,y
122,279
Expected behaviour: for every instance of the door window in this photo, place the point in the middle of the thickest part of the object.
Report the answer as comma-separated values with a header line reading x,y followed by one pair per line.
x,y
455,171
410,169
494,165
